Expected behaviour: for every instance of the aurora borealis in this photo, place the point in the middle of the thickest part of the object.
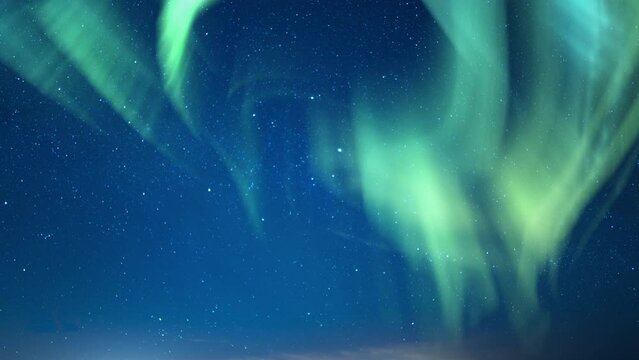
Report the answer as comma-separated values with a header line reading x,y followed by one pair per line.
x,y
438,165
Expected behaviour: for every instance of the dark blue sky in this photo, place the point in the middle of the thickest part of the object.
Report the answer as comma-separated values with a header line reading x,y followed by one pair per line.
x,y
104,240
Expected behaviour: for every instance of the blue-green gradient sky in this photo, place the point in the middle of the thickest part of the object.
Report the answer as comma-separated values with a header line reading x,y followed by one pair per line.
x,y
194,179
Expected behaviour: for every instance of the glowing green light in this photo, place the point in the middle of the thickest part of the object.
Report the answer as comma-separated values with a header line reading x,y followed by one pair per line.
x,y
175,23
492,208
481,178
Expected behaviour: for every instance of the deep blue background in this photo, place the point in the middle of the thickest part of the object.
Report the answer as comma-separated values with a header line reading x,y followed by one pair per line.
x,y
101,234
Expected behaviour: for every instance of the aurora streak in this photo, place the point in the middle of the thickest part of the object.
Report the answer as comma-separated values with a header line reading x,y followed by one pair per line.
x,y
537,147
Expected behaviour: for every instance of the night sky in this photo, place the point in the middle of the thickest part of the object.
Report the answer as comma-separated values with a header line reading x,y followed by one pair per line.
x,y
319,179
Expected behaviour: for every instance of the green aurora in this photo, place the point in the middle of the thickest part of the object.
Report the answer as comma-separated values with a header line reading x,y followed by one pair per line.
x,y
416,161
